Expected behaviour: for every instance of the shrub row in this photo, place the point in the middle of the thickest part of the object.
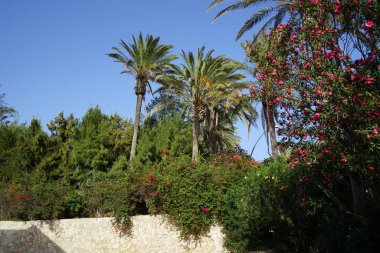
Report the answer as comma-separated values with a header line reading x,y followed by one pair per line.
x,y
259,206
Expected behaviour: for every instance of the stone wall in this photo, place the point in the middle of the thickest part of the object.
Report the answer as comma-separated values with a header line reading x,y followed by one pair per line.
x,y
150,234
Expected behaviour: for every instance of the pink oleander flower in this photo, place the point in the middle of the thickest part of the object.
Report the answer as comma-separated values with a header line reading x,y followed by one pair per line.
x,y
336,9
278,100
369,24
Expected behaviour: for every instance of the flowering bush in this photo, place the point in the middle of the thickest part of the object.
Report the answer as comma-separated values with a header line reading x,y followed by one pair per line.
x,y
190,194
34,200
320,72
275,207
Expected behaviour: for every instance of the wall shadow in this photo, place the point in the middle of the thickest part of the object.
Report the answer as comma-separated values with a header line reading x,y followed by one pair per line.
x,y
27,240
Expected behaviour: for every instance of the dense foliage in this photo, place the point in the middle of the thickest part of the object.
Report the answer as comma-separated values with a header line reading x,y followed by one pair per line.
x,y
41,172
317,78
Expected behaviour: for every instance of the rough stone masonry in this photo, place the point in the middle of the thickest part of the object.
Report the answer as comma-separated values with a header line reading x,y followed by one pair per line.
x,y
150,234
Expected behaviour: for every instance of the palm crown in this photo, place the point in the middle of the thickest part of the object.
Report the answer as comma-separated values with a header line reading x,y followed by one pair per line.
x,y
209,89
145,60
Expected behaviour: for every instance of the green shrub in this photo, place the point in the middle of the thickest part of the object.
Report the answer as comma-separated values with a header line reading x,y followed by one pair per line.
x,y
252,215
46,201
191,194
39,200
187,193
73,204
169,137
109,194
340,232
12,202
275,207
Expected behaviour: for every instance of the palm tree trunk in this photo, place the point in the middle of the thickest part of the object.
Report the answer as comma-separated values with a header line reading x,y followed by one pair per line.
x,y
270,125
196,130
211,140
136,126
272,134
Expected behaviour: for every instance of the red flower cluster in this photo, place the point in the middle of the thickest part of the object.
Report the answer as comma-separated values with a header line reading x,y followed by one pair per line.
x,y
152,178
237,157
253,163
19,196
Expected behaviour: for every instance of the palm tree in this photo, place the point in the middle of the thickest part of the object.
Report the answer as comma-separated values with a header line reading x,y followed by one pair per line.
x,y
228,105
220,132
268,122
276,12
199,84
146,60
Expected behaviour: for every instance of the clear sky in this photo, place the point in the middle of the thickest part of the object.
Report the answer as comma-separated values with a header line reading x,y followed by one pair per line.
x,y
53,53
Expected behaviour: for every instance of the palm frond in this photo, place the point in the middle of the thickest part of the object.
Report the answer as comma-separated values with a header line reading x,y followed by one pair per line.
x,y
255,19
215,2
282,7
242,4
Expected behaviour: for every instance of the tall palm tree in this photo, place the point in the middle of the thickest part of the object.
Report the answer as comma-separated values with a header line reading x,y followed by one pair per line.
x,y
272,15
146,60
198,83
220,132
268,122
228,105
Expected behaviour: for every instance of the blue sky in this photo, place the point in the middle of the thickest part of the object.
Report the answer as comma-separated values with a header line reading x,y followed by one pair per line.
x,y
53,53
